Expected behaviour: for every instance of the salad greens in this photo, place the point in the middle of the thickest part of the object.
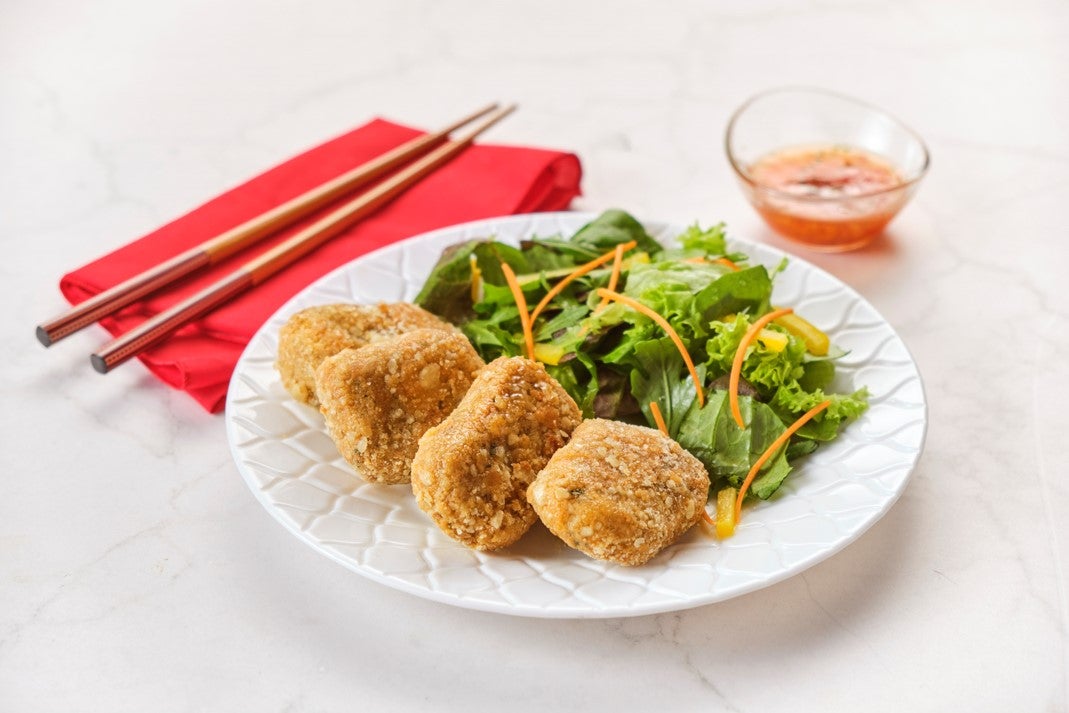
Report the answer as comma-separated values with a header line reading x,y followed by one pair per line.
x,y
614,360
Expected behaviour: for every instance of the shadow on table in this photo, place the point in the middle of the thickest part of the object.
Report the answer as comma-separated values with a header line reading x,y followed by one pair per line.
x,y
404,651
880,263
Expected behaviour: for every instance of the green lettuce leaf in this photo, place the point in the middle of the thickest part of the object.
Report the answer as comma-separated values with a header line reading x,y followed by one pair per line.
x,y
727,451
816,374
612,228
766,369
791,401
711,241
541,257
646,281
447,291
661,375
709,433
748,290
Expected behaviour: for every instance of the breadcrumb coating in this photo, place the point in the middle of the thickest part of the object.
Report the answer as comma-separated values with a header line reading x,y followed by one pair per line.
x,y
472,471
620,492
379,399
313,334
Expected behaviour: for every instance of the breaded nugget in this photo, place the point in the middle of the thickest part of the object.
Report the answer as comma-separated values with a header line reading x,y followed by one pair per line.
x,y
379,399
313,334
619,492
471,472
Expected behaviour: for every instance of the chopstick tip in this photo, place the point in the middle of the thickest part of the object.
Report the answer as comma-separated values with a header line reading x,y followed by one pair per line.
x,y
98,363
43,336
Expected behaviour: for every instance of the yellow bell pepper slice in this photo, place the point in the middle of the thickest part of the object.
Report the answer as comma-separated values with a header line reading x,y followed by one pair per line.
x,y
549,353
476,279
772,340
725,512
816,341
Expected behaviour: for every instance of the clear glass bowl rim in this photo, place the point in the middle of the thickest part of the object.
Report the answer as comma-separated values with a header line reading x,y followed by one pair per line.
x,y
742,174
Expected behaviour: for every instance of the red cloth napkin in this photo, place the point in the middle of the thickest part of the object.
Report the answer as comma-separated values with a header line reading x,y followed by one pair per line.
x,y
482,182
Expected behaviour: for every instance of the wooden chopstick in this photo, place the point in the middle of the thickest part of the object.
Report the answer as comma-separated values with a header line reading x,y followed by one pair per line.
x,y
255,271
215,249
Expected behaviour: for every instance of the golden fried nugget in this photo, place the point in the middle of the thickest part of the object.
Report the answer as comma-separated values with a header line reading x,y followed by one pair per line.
x,y
619,492
471,472
379,399
313,334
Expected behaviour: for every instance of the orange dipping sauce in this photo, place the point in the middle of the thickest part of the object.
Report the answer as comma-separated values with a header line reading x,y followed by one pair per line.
x,y
828,197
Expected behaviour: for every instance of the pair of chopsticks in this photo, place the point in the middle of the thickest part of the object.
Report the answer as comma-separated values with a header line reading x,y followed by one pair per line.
x,y
430,151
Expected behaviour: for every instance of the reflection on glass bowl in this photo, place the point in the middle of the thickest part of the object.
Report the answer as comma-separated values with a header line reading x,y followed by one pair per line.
x,y
822,169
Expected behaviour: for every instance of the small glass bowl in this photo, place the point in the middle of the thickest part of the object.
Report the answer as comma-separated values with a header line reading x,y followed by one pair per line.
x,y
794,118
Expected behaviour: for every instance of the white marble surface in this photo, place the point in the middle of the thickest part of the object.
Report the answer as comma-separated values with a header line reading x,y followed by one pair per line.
x,y
138,573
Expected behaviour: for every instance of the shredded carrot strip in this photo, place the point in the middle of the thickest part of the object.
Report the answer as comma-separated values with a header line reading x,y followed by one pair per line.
x,y
617,263
740,356
663,323
708,519
771,450
521,303
575,274
719,261
658,418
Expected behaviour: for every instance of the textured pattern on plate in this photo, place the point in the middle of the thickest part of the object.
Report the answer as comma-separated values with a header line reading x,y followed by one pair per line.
x,y
292,467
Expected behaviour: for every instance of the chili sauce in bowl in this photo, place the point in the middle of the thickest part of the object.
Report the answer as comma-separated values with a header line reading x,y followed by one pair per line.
x,y
822,170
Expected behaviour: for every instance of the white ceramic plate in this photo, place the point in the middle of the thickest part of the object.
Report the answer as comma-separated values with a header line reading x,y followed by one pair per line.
x,y
835,494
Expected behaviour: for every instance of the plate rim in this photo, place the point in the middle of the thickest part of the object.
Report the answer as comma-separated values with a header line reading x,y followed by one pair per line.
x,y
528,610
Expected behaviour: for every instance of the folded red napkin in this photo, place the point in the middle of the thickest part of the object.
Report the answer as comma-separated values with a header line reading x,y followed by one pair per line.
x,y
482,182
